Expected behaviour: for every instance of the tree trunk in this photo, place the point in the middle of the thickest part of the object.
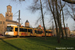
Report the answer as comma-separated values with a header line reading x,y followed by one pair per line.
x,y
43,19
58,20
61,24
54,16
64,24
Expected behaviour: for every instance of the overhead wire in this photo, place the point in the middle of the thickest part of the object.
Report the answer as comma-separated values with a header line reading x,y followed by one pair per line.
x,y
15,13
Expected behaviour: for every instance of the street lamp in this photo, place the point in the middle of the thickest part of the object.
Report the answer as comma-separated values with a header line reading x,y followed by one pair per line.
x,y
70,1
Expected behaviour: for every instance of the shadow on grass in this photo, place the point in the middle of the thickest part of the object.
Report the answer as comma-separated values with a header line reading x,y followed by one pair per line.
x,y
37,41
50,43
10,44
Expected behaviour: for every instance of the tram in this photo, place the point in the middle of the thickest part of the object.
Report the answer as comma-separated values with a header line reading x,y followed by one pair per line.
x,y
12,30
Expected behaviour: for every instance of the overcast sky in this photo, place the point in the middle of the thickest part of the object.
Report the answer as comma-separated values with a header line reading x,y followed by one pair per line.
x,y
28,15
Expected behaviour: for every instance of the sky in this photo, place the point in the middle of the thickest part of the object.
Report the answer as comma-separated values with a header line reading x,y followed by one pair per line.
x,y
26,14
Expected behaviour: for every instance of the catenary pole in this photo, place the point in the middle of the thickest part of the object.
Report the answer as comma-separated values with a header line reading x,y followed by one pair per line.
x,y
19,24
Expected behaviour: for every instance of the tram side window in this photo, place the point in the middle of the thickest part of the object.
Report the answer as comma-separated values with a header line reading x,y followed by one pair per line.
x,y
21,30
50,31
25,30
39,32
36,31
16,29
46,31
30,30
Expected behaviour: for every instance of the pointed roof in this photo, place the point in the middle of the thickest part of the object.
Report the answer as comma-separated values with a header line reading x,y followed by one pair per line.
x,y
2,17
9,5
27,21
39,25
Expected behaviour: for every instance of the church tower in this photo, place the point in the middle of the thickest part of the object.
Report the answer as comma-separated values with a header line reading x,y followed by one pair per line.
x,y
9,14
27,23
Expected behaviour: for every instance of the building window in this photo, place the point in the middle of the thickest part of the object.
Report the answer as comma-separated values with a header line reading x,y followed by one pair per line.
x,y
10,15
3,22
7,14
9,9
0,22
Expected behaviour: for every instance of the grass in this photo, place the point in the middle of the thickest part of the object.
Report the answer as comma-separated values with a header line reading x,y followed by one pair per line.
x,y
35,43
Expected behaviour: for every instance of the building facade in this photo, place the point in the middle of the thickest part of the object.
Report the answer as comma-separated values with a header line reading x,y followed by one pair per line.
x,y
2,24
67,30
8,19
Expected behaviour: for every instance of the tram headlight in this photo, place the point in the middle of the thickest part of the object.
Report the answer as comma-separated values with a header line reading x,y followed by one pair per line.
x,y
6,33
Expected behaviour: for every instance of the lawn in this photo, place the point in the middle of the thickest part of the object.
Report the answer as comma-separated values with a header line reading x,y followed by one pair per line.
x,y
35,43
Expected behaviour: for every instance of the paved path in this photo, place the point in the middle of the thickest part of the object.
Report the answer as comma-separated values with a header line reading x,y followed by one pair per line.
x,y
2,37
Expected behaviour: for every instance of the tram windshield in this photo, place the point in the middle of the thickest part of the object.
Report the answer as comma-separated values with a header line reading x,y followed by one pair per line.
x,y
9,28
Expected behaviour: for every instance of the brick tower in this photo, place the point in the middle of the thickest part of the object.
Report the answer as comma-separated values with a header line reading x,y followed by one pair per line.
x,y
27,23
9,14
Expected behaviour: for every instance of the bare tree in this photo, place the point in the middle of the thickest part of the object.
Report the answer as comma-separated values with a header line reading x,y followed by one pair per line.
x,y
53,6
61,6
71,10
62,9
56,10
37,5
